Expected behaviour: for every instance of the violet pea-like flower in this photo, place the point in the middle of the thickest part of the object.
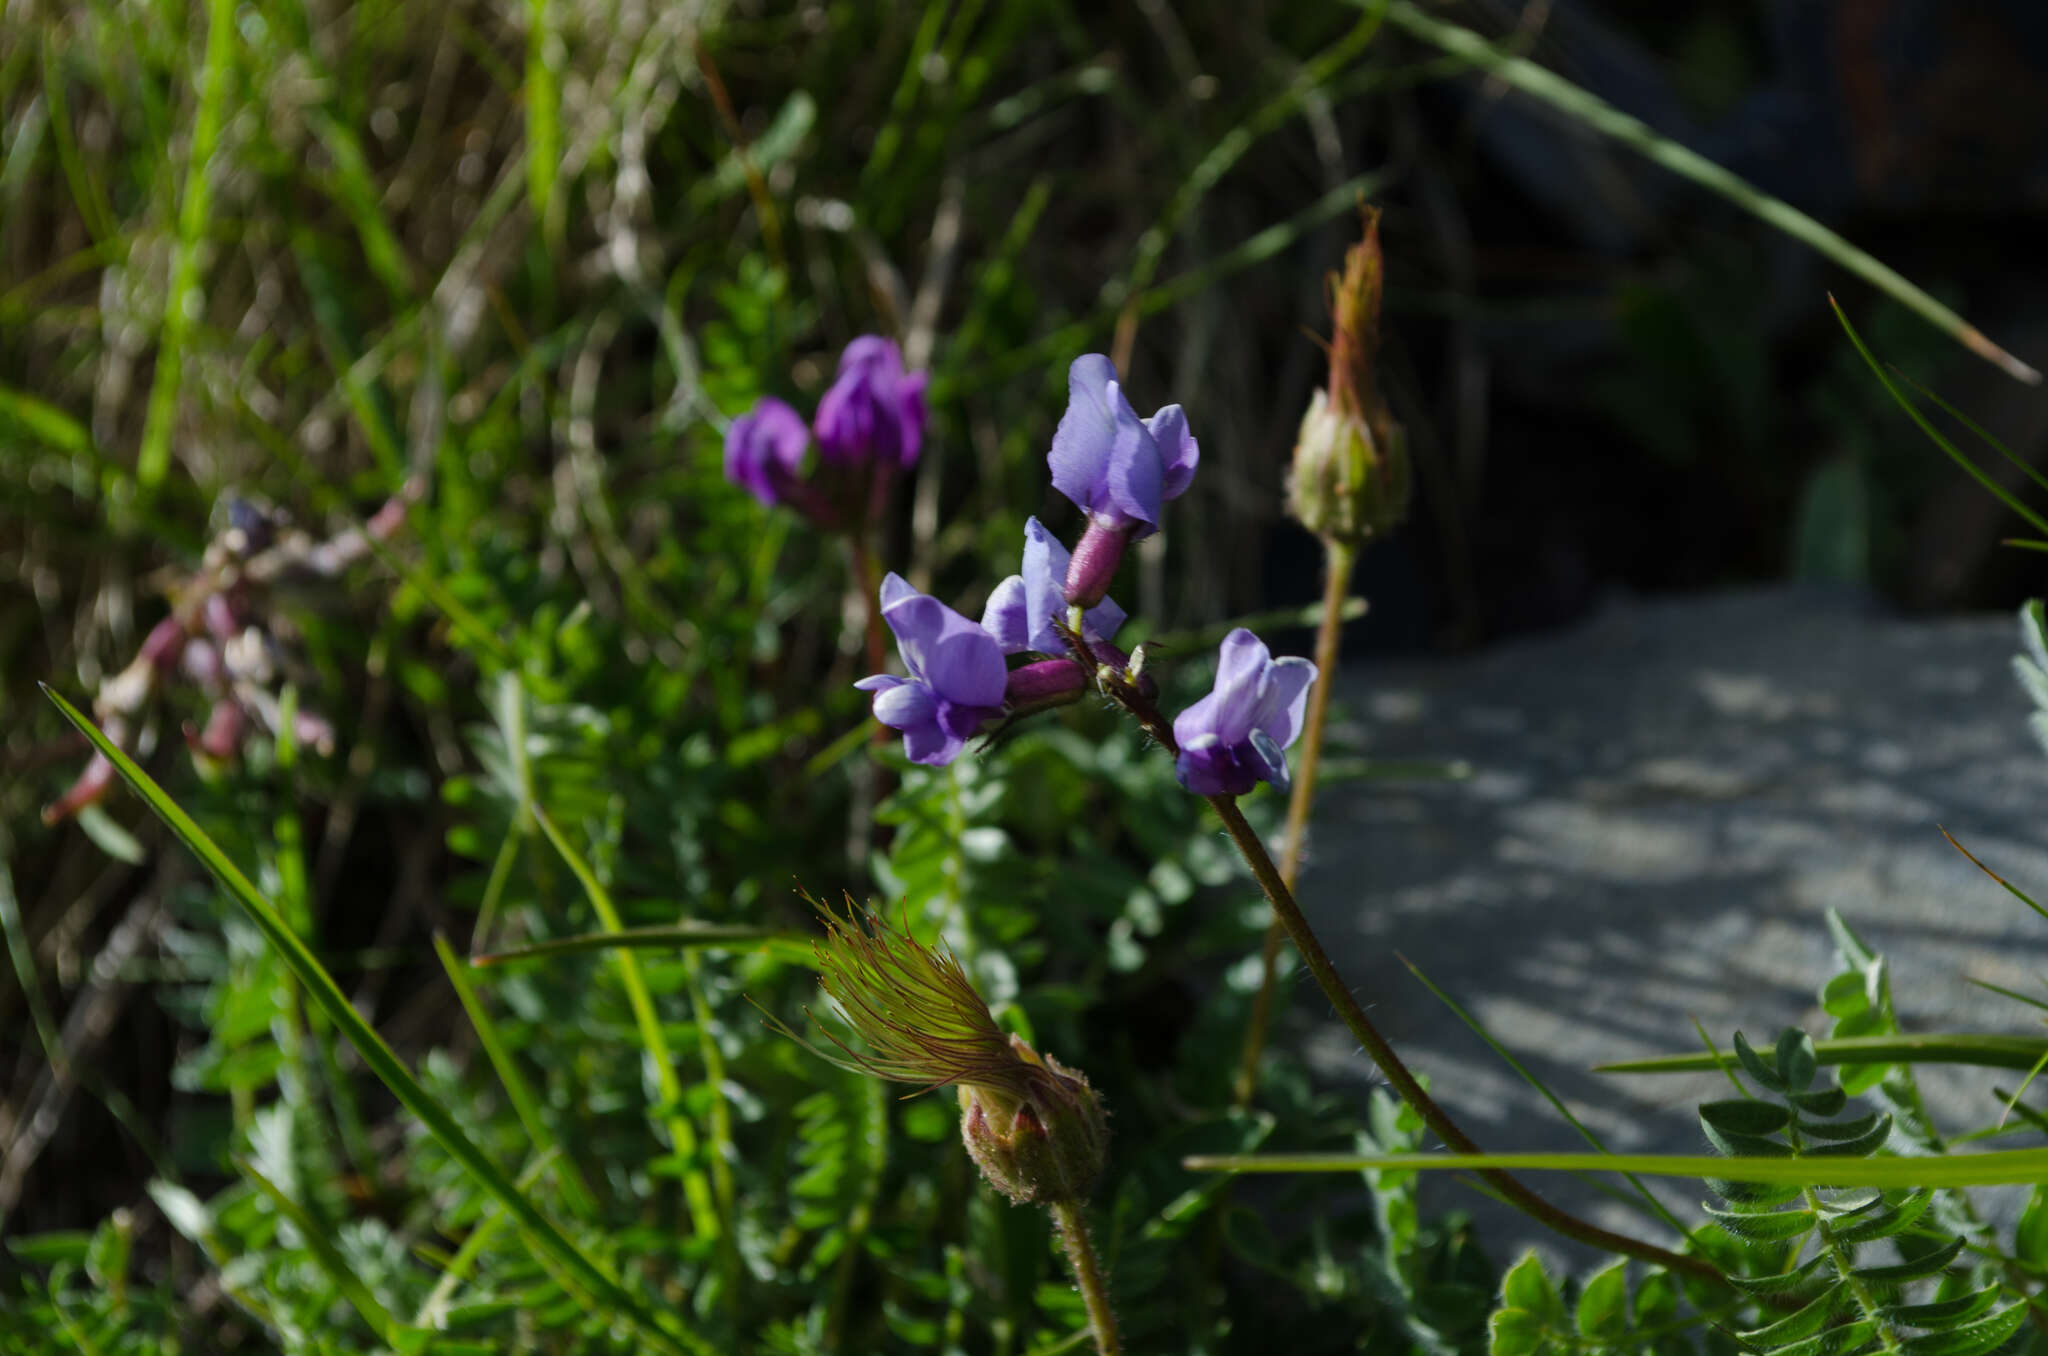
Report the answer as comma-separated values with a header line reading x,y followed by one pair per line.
x,y
764,450
1024,608
874,410
1236,736
1116,467
956,681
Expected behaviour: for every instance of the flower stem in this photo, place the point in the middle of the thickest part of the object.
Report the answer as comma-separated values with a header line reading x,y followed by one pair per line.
x,y
1338,558
1397,1073
1088,1277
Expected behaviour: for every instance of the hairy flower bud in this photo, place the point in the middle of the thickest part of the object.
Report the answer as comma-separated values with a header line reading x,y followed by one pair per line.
x,y
1047,1146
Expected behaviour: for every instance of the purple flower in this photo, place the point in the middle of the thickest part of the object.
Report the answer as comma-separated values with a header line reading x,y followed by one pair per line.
x,y
1234,738
956,677
764,449
1116,467
1023,609
874,410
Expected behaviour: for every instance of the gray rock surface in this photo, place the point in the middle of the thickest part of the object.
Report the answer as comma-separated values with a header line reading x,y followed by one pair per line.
x,y
1662,804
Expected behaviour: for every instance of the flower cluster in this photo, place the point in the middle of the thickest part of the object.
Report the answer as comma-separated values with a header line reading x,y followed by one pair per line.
x,y
871,422
1049,630
224,639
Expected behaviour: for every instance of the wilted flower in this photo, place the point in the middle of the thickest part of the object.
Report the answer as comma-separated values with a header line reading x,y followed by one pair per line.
x,y
956,677
1023,611
1033,1126
874,410
1117,468
1236,736
764,450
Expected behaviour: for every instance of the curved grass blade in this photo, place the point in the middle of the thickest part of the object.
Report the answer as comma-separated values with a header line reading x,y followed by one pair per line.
x,y
1982,477
2004,1168
352,1286
1978,1050
686,937
1655,1206
1538,83
705,1218
2010,888
320,987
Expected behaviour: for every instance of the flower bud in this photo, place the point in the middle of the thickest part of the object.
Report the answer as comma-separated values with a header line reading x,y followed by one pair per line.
x,y
1350,478
1046,1146
1094,563
1345,482
1043,685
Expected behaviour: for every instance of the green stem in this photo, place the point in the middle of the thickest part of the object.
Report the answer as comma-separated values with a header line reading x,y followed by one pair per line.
x,y
1088,1277
1338,558
1397,1073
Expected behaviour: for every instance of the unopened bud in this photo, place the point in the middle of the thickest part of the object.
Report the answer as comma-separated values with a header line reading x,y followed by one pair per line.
x,y
1094,563
1045,684
221,740
1047,1145
1345,482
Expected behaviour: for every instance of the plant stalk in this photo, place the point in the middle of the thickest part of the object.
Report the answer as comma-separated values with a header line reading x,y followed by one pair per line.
x,y
1088,1277
1397,1073
1338,558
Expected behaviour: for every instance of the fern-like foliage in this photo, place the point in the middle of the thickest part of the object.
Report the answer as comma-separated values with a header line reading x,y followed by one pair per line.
x,y
1821,1298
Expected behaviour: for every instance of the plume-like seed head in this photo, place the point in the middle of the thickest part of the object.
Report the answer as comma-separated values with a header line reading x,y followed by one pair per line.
x,y
1033,1125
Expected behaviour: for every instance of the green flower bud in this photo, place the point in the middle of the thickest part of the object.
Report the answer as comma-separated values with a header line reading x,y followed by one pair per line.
x,y
1345,482
1044,1147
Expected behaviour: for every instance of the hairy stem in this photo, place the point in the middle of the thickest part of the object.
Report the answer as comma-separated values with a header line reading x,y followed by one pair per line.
x,y
1094,1286
1338,558
1397,1073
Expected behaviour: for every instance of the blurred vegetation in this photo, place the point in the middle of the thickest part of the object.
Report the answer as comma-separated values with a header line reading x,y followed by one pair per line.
x,y
532,257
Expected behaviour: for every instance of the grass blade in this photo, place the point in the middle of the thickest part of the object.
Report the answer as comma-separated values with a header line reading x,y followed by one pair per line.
x,y
687,937
1656,1206
523,1101
704,1217
193,210
1982,1051
383,1061
1538,83
2010,888
2004,1168
1955,454
353,1288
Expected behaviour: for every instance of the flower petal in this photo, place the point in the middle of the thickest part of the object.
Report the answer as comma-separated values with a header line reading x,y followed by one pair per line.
x,y
911,418
966,665
1268,760
906,706
1006,617
1178,451
1135,484
1283,695
1079,458
880,682
1241,663
931,744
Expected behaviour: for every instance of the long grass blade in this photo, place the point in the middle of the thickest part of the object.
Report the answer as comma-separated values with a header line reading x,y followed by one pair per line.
x,y
1955,454
616,1301
1507,1056
2003,1168
1981,1051
2010,888
524,1104
704,1217
1538,83
687,937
